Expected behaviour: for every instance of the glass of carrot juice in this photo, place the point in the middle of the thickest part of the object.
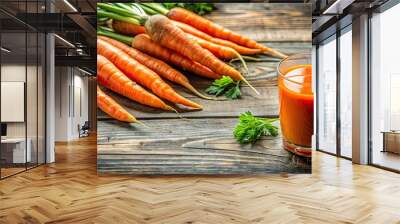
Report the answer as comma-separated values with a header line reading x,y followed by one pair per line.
x,y
296,101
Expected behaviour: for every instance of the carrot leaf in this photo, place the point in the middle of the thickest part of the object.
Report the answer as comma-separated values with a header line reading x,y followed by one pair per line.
x,y
251,128
225,86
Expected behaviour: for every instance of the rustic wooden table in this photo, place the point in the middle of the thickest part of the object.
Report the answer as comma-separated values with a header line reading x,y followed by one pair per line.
x,y
202,142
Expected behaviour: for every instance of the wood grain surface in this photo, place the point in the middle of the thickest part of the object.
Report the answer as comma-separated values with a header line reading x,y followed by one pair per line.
x,y
202,142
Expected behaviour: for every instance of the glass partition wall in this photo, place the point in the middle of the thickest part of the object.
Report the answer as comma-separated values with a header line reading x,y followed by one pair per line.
x,y
22,93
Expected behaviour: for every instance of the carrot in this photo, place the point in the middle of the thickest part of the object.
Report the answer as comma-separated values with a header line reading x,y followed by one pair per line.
x,y
219,51
143,43
132,29
141,74
112,108
156,65
213,29
163,31
195,32
127,28
111,77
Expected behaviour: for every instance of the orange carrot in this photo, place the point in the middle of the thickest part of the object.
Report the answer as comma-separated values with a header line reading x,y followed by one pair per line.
x,y
156,65
213,29
143,43
141,74
127,28
195,32
163,31
111,77
112,108
222,52
219,51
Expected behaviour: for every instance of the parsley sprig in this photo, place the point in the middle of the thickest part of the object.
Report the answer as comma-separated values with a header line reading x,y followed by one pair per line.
x,y
225,86
251,128
199,8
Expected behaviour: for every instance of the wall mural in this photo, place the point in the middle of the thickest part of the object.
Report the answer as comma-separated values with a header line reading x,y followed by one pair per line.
x,y
200,88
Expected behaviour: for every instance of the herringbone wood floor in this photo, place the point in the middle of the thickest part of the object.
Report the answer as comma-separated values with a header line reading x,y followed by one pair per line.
x,y
70,191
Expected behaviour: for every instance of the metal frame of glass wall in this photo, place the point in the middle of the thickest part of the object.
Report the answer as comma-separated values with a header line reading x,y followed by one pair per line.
x,y
35,82
334,37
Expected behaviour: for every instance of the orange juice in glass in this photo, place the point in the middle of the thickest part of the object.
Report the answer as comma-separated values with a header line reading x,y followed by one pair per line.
x,y
296,102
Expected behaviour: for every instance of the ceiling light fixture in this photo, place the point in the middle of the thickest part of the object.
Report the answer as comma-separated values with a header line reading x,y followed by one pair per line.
x,y
5,50
70,5
64,40
337,7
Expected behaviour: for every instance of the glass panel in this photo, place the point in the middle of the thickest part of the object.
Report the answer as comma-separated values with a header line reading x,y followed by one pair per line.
x,y
346,94
327,96
13,86
23,84
385,84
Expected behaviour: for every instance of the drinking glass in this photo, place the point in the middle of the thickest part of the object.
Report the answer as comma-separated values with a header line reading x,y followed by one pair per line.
x,y
296,101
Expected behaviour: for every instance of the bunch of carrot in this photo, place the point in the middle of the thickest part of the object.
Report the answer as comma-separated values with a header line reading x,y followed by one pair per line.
x,y
134,66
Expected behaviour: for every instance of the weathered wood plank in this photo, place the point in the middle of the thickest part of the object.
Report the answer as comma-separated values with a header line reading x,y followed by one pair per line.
x,y
266,22
183,146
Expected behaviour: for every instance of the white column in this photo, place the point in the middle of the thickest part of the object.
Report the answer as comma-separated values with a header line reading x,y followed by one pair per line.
x,y
50,98
314,87
360,90
50,92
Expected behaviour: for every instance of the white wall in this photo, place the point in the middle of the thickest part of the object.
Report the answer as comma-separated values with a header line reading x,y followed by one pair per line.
x,y
61,103
70,84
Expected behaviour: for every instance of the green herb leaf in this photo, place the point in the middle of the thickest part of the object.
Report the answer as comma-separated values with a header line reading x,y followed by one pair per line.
x,y
251,128
234,92
199,8
226,86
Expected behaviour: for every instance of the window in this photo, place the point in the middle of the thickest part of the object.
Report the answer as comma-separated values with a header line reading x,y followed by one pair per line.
x,y
385,88
346,92
327,96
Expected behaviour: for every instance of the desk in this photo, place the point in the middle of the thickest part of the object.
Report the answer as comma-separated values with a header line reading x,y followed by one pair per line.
x,y
391,141
17,150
